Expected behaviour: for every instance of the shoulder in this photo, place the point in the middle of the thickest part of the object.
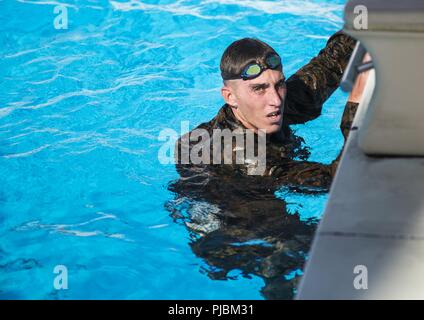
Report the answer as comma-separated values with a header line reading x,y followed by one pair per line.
x,y
219,121
201,134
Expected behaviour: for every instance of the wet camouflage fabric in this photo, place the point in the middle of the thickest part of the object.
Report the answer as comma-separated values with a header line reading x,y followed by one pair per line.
x,y
307,90
225,209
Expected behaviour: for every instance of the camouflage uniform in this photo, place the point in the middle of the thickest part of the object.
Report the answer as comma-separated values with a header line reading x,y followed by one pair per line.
x,y
307,90
223,206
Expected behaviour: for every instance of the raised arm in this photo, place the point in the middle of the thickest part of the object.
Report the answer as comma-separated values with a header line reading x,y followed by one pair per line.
x,y
313,84
314,174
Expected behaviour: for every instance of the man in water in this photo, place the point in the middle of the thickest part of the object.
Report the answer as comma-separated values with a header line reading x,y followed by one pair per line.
x,y
230,208
259,98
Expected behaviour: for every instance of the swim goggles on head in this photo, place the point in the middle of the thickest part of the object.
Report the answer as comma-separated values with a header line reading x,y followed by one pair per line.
x,y
255,68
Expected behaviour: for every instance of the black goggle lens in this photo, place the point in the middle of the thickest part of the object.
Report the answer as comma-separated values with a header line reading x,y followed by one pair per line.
x,y
253,70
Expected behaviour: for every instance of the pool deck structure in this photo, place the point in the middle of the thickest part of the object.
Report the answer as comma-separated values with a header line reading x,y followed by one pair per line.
x,y
370,242
374,218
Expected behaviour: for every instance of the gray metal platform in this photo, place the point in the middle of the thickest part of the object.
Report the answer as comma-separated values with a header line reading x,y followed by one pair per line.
x,y
375,218
375,212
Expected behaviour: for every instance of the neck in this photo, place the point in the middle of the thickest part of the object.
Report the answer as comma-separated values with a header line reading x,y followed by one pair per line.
x,y
243,121
278,135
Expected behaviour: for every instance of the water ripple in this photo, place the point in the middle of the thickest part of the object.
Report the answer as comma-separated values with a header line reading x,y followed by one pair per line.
x,y
27,153
80,113
174,8
122,82
51,3
295,7
68,228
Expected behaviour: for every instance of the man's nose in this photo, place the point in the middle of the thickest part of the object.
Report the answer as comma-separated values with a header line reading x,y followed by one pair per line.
x,y
274,97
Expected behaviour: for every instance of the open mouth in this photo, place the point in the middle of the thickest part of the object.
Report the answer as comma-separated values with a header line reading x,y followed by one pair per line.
x,y
274,115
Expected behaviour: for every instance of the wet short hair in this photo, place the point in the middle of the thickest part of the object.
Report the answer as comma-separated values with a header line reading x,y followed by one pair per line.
x,y
241,52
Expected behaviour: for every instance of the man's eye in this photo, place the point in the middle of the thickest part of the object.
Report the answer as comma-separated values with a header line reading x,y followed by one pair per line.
x,y
258,89
281,84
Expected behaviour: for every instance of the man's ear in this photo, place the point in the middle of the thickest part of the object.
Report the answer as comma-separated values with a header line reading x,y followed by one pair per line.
x,y
227,92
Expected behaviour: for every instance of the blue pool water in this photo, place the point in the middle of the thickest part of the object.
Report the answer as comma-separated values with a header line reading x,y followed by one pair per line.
x,y
80,114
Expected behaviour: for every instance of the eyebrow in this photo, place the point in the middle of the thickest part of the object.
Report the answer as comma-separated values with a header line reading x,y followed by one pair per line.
x,y
265,84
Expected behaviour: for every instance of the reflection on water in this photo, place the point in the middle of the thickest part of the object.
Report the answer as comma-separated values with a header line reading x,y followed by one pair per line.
x,y
80,114
237,223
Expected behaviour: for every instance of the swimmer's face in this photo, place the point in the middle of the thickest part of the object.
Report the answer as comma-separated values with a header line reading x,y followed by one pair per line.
x,y
258,103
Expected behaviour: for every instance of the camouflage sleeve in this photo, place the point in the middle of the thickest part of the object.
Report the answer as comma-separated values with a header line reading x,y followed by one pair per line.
x,y
346,127
347,118
313,84
303,173
314,174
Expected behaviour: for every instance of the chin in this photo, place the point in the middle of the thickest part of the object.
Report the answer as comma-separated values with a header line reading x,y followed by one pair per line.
x,y
270,129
